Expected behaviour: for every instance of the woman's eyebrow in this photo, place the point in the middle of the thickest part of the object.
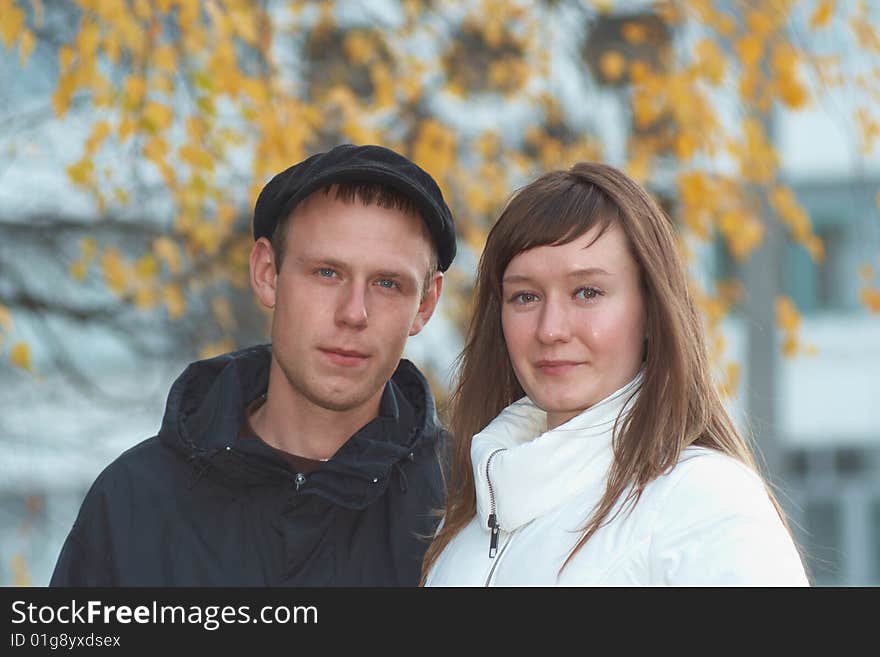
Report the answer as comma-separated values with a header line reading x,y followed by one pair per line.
x,y
589,271
512,279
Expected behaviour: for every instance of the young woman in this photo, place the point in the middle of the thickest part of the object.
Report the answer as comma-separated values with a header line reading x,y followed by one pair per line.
x,y
591,445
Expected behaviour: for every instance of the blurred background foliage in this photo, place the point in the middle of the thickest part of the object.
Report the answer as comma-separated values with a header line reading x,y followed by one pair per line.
x,y
185,108
205,100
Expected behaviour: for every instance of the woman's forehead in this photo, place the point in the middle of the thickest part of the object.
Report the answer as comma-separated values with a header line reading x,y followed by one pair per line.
x,y
596,249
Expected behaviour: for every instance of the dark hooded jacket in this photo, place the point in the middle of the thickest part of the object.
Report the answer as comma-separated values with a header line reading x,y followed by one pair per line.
x,y
198,505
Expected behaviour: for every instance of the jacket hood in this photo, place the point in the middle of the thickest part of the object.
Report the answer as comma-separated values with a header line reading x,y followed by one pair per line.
x,y
205,410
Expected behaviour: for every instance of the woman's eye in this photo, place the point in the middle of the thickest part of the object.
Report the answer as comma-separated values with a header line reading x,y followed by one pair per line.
x,y
587,293
524,297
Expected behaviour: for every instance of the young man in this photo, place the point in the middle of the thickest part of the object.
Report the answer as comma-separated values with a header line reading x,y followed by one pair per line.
x,y
313,461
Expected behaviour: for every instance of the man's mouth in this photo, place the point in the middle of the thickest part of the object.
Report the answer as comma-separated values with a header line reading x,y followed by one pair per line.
x,y
344,357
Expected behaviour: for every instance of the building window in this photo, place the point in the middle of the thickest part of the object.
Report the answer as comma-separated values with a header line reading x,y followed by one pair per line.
x,y
875,539
822,550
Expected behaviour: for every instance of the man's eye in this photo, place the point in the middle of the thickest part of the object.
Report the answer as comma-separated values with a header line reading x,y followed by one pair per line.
x,y
387,283
326,272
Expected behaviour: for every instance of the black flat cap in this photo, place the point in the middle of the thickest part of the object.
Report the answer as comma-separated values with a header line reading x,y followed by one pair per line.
x,y
355,164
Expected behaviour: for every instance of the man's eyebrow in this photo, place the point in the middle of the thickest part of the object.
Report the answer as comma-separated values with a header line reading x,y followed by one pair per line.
x,y
577,273
310,259
393,274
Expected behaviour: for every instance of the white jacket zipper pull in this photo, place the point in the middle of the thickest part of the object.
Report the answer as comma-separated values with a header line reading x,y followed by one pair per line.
x,y
493,537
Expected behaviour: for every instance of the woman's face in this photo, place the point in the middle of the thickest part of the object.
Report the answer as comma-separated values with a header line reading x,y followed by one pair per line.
x,y
573,318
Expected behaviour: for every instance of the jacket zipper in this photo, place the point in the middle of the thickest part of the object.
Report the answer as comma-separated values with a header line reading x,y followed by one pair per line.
x,y
498,560
493,519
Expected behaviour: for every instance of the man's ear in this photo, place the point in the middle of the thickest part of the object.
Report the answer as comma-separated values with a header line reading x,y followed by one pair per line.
x,y
428,304
264,274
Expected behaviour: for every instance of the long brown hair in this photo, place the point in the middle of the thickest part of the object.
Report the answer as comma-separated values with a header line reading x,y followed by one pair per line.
x,y
678,404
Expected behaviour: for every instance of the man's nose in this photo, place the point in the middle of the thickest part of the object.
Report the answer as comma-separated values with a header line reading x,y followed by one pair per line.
x,y
352,308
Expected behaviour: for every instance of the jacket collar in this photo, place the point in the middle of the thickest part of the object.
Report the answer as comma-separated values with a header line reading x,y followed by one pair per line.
x,y
539,470
206,406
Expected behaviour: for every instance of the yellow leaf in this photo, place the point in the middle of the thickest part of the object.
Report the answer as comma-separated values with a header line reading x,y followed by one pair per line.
x,y
143,10
64,89
130,34
20,356
127,127
245,23
26,46
223,313
112,46
216,348
226,215
87,38
633,32
358,48
749,50
435,149
79,269
162,83
822,15
174,301
113,267
157,116
164,58
870,297
742,232
65,57
11,24
787,317
793,93
80,172
167,251
103,93
196,156
789,346
146,267
155,150
710,60
612,64
5,318
134,89
19,568
816,248
145,297
100,131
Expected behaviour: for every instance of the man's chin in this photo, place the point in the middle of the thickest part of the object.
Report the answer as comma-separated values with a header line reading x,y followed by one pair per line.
x,y
342,400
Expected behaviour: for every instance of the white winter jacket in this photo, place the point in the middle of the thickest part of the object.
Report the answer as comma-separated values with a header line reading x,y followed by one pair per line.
x,y
708,521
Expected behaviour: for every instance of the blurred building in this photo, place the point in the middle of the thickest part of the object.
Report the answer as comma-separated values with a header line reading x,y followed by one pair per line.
x,y
815,417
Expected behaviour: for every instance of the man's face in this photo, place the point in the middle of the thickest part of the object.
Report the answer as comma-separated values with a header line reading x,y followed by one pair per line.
x,y
347,296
